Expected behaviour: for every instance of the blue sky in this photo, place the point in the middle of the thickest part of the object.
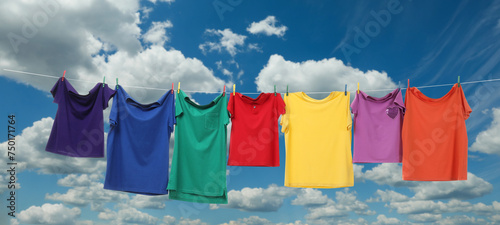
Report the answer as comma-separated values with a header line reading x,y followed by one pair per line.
x,y
312,46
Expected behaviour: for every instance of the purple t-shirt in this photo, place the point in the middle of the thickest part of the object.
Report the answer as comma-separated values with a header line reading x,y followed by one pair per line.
x,y
377,128
78,128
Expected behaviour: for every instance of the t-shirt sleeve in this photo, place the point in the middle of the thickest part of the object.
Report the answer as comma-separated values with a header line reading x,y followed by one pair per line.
x,y
225,112
398,101
230,106
465,106
178,106
113,115
354,105
171,117
285,117
57,91
348,111
107,95
280,104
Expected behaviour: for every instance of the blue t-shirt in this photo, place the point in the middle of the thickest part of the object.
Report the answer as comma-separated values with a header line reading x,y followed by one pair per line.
x,y
138,144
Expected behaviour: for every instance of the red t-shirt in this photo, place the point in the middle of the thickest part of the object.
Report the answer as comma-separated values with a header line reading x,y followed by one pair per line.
x,y
254,132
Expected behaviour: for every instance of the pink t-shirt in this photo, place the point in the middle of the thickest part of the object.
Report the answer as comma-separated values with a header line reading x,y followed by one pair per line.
x,y
377,126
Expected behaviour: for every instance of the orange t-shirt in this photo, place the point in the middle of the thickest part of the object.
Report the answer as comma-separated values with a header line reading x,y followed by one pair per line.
x,y
434,136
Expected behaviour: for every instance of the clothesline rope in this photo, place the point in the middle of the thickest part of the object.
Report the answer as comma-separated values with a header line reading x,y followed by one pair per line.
x,y
215,92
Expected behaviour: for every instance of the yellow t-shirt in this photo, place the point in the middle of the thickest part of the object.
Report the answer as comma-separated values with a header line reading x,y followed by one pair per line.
x,y
318,141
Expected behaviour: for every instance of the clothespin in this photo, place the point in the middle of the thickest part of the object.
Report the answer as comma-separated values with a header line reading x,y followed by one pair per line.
x,y
458,81
172,87
275,90
287,90
103,80
224,92
64,74
234,89
117,83
408,83
358,87
178,87
345,91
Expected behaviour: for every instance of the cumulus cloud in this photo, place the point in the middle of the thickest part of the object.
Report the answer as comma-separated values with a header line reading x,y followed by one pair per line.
x,y
388,196
310,197
321,212
320,76
391,174
149,202
127,216
488,141
104,41
473,187
49,214
157,33
382,219
92,194
32,140
228,41
259,199
267,27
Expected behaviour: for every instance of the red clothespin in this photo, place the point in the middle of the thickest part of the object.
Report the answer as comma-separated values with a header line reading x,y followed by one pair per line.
x,y
172,88
64,74
224,93
408,83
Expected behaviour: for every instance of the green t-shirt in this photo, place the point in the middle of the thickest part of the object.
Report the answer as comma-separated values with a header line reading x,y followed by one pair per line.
x,y
198,172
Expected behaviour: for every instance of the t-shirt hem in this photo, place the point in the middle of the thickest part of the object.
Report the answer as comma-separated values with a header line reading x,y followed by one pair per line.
x,y
199,198
74,155
434,179
376,161
137,190
253,164
315,185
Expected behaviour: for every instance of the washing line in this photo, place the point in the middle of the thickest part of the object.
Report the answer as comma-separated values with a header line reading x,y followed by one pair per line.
x,y
216,92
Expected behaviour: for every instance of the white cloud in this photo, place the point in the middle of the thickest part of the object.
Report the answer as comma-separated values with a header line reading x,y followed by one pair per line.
x,y
94,194
473,187
310,197
382,219
74,180
320,76
388,174
267,27
389,196
168,220
104,41
425,217
157,33
127,216
488,141
461,219
49,214
228,41
252,220
32,140
157,67
391,174
259,199
167,1
358,172
110,22
320,212
150,202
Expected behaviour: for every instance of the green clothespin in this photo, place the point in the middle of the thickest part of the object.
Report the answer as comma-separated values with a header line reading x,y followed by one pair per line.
x,y
458,81
287,90
117,83
103,80
345,91
275,90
